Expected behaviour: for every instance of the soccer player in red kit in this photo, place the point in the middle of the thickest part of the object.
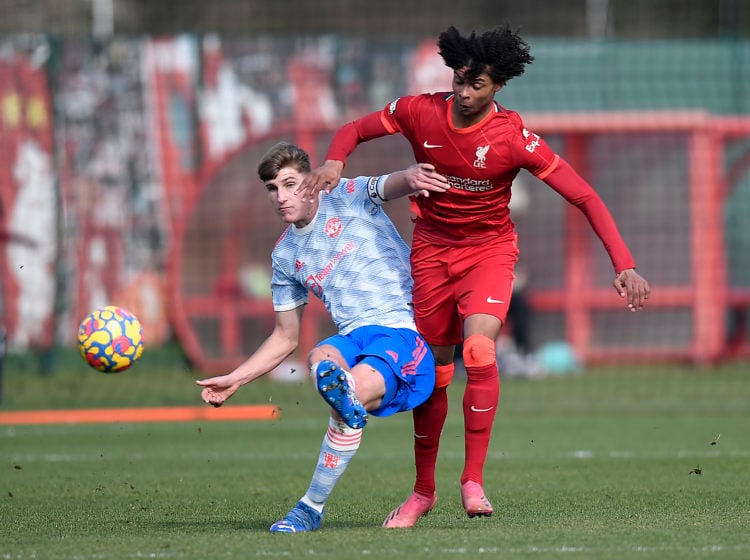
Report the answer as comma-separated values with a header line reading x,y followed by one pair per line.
x,y
464,246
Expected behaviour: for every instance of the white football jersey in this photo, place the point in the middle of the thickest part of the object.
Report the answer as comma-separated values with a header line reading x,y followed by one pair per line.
x,y
350,256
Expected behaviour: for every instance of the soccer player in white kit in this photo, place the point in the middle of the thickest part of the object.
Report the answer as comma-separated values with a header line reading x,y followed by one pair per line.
x,y
342,247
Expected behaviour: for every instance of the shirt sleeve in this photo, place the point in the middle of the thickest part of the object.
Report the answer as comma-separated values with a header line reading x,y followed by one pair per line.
x,y
286,292
582,195
530,151
364,191
353,133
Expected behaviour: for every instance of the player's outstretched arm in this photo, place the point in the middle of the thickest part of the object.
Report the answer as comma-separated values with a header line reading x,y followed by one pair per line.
x,y
277,347
632,285
343,143
420,179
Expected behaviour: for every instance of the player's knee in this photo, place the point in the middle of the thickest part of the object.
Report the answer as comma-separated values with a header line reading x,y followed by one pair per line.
x,y
444,375
315,355
323,352
479,351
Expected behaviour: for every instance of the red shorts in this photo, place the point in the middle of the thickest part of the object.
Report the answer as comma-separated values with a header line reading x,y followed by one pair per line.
x,y
451,283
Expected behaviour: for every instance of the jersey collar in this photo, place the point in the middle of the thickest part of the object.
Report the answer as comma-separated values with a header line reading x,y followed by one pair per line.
x,y
496,109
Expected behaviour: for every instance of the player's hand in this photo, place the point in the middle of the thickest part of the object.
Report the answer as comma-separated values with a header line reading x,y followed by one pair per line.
x,y
216,390
323,178
632,285
423,178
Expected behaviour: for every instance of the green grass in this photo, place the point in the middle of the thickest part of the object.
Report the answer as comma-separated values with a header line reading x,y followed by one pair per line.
x,y
591,466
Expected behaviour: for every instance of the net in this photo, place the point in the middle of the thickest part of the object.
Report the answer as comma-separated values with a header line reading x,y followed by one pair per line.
x,y
130,177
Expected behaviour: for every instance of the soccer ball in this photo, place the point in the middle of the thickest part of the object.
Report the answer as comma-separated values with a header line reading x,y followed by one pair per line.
x,y
110,339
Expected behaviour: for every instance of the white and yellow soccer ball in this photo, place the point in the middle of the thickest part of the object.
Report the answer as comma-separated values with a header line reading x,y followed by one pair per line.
x,y
110,339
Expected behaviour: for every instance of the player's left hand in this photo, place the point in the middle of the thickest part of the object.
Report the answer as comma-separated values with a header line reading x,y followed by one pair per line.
x,y
216,390
632,285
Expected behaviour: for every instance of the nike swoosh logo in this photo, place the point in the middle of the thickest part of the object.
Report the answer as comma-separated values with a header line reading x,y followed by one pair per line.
x,y
427,145
419,436
475,409
490,299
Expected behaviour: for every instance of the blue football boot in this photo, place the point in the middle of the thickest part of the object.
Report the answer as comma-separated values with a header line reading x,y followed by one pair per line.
x,y
333,385
301,518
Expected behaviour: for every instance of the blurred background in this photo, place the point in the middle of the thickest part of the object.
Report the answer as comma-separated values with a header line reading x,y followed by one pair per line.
x,y
131,130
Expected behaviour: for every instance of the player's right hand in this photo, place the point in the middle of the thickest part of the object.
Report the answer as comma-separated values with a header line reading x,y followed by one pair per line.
x,y
323,178
216,390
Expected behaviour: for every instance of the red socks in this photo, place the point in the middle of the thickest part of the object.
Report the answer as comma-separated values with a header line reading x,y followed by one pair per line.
x,y
481,399
429,419
480,402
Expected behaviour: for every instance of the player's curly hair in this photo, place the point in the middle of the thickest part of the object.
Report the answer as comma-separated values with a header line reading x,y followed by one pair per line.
x,y
501,52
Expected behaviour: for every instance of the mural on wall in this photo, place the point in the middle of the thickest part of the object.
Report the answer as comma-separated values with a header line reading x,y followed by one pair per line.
x,y
110,151
108,146
27,195
113,233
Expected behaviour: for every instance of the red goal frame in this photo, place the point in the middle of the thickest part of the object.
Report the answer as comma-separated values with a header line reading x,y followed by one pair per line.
x,y
708,295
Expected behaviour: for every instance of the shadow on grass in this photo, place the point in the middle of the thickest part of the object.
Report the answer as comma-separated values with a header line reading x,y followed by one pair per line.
x,y
252,525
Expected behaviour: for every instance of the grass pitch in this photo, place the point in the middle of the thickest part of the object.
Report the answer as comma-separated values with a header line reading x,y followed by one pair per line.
x,y
622,463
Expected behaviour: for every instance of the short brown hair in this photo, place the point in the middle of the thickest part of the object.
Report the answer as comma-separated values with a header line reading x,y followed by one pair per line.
x,y
280,156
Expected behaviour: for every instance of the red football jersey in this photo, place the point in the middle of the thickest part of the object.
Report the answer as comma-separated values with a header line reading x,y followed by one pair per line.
x,y
480,162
